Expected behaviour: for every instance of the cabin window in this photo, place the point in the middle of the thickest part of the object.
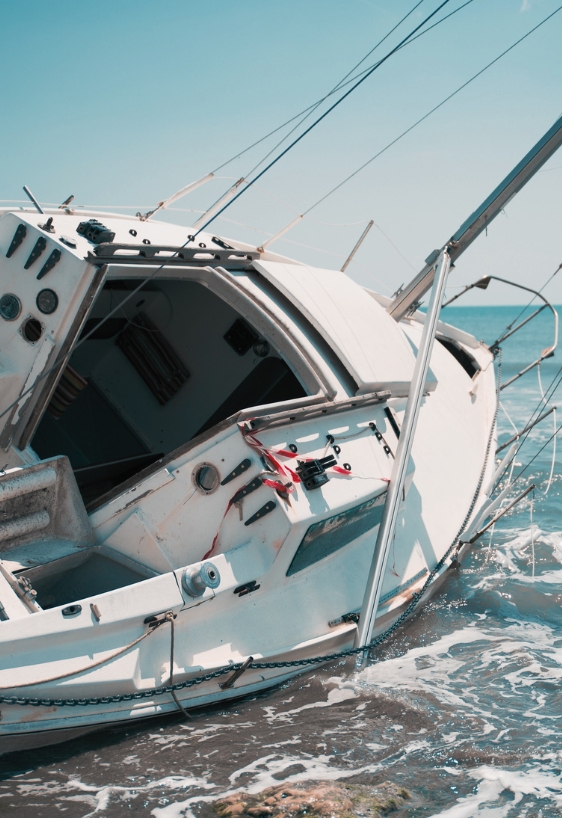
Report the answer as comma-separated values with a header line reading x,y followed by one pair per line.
x,y
173,362
328,536
468,363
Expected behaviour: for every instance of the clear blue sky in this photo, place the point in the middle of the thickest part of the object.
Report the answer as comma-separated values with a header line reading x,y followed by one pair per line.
x,y
122,103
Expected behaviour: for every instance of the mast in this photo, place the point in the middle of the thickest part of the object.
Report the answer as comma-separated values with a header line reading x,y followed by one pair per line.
x,y
480,219
394,497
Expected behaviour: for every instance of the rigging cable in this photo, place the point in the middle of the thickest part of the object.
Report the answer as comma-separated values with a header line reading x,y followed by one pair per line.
x,y
429,113
318,121
149,278
342,84
336,88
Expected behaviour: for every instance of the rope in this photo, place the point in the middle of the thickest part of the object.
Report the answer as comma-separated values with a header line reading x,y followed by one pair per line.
x,y
87,667
316,660
170,618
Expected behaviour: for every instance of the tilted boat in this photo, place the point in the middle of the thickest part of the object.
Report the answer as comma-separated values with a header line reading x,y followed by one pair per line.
x,y
220,466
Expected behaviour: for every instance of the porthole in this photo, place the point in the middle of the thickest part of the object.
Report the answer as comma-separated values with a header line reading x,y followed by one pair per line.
x,y
31,330
47,301
206,478
10,307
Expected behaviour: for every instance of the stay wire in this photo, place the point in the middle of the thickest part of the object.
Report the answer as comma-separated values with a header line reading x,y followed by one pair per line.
x,y
432,111
342,84
318,121
192,237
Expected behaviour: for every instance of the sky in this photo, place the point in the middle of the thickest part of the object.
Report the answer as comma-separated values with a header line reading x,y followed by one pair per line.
x,y
123,103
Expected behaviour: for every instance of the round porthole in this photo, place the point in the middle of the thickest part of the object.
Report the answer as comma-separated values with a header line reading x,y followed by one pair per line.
x,y
10,307
32,330
206,478
47,301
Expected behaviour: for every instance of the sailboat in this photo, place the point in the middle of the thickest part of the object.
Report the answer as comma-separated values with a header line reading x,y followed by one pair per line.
x,y
220,466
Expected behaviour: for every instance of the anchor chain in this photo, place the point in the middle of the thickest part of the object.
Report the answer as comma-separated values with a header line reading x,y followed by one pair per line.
x,y
315,660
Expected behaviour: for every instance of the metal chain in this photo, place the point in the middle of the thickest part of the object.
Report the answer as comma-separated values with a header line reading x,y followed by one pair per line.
x,y
316,660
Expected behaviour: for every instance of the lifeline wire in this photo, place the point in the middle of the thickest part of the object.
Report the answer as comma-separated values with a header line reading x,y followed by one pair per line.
x,y
423,118
516,319
228,204
410,608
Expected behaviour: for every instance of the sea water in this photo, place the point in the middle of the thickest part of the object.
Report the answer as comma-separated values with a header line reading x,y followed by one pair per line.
x,y
463,707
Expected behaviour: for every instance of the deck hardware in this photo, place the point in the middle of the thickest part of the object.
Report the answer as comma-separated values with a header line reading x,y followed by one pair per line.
x,y
48,227
71,610
247,588
133,232
146,241
241,337
53,260
392,420
66,202
353,616
70,242
202,244
95,611
32,198
261,512
158,619
222,243
261,348
256,483
240,468
3,615
380,438
47,301
293,448
200,576
313,472
39,248
347,467
237,673
205,478
19,236
10,307
333,444
95,231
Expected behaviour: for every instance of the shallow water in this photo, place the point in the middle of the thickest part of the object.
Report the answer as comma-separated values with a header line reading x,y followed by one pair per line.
x,y
462,708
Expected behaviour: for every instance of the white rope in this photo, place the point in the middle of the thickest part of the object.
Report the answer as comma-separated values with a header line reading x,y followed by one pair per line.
x,y
532,537
546,403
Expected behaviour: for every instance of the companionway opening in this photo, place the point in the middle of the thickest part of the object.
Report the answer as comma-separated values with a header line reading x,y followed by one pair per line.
x,y
173,362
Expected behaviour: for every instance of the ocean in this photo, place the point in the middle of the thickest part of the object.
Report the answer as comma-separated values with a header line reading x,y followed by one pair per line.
x,y
462,707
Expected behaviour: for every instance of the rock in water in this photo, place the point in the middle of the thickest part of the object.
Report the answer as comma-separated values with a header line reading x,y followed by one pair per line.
x,y
321,799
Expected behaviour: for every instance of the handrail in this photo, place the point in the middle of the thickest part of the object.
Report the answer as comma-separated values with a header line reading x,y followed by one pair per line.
x,y
548,352
481,218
